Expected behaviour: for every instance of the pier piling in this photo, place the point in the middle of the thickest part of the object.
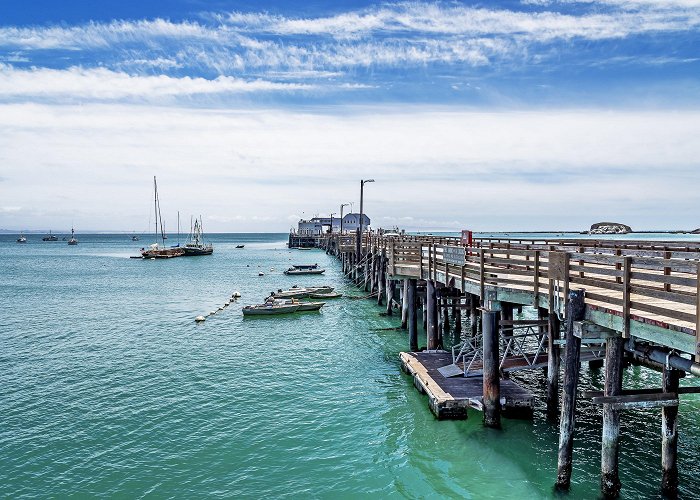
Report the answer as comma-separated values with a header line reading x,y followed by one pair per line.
x,y
553,363
431,315
412,315
574,312
610,480
669,437
404,304
491,377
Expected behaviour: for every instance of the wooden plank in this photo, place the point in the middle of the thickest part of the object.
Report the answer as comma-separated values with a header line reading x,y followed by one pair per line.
x,y
634,401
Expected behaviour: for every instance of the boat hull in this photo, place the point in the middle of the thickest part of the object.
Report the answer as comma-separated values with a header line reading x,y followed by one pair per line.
x,y
311,306
164,253
193,251
269,310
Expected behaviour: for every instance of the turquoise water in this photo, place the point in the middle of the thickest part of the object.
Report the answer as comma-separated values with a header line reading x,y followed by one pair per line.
x,y
109,388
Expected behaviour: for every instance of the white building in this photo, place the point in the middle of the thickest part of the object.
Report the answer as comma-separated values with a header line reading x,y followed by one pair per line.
x,y
321,225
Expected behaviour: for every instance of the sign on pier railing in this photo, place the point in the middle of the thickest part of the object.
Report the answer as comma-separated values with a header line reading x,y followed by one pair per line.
x,y
453,255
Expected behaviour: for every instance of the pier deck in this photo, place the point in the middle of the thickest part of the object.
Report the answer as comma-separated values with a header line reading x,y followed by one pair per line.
x,y
449,398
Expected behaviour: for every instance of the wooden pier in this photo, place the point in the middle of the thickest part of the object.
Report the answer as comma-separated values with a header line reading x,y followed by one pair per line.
x,y
622,301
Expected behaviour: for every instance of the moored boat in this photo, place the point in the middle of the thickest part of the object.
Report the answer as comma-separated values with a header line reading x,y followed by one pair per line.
x,y
22,239
72,240
156,250
240,246
303,306
195,244
295,271
50,237
269,308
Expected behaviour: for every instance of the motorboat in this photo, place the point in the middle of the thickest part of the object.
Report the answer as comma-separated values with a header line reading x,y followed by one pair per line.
x,y
269,308
50,237
304,269
240,246
22,239
303,306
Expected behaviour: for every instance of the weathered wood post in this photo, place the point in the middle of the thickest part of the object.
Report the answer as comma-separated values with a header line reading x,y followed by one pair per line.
x,y
669,437
446,312
473,314
389,295
424,308
506,311
381,280
572,360
457,314
609,452
404,304
412,315
491,378
366,268
432,315
553,363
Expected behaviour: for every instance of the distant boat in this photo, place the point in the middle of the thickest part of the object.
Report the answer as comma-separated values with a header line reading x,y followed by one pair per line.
x,y
21,239
72,240
195,243
50,237
304,269
240,246
134,238
155,250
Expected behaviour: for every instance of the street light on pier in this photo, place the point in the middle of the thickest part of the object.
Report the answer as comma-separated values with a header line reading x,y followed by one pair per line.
x,y
341,216
360,228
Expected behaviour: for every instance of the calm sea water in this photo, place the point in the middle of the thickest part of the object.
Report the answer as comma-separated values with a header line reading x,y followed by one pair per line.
x,y
109,388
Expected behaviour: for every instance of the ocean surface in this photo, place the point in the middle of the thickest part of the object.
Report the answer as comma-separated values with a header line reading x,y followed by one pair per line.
x,y
108,388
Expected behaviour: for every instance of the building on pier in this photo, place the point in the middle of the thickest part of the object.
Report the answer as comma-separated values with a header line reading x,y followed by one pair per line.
x,y
321,225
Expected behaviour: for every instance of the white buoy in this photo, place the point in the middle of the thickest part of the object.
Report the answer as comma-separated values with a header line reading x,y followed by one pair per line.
x,y
236,295
261,274
220,309
199,319
272,269
212,313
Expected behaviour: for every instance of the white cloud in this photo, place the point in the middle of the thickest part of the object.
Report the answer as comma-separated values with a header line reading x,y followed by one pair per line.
x,y
248,170
100,83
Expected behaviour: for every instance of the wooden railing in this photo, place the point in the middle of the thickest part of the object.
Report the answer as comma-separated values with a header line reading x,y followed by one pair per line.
x,y
651,282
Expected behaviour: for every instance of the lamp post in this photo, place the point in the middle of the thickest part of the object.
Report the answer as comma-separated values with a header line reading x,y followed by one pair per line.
x,y
360,227
341,216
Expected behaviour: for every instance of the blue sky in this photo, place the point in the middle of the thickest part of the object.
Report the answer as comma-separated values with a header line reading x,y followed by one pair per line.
x,y
274,110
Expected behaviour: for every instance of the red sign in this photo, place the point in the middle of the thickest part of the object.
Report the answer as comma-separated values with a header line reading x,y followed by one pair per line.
x,y
466,237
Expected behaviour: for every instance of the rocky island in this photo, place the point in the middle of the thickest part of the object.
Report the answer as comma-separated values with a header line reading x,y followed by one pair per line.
x,y
609,228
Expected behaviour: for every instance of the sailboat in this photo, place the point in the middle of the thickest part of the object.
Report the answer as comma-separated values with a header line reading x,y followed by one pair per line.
x,y
195,243
72,240
156,250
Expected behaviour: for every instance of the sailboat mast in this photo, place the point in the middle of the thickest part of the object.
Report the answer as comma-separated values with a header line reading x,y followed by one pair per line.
x,y
155,208
178,228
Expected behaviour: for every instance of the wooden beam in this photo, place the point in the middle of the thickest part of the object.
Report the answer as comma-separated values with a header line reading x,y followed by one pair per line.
x,y
633,401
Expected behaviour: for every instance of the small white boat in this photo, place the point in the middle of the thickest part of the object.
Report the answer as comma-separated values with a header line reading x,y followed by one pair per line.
x,y
294,271
72,240
303,306
21,239
269,308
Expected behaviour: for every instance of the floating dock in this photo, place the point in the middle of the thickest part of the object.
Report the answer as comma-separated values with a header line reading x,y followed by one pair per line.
x,y
450,397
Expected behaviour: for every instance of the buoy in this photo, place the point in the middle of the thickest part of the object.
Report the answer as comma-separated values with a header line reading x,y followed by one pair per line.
x,y
212,313
199,319
261,274
220,309
272,269
225,304
236,295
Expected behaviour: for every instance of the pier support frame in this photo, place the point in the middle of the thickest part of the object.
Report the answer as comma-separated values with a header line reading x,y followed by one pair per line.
x,y
389,296
412,305
432,315
609,454
669,437
491,377
575,311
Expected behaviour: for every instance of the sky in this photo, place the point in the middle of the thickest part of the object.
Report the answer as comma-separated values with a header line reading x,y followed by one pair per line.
x,y
501,115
